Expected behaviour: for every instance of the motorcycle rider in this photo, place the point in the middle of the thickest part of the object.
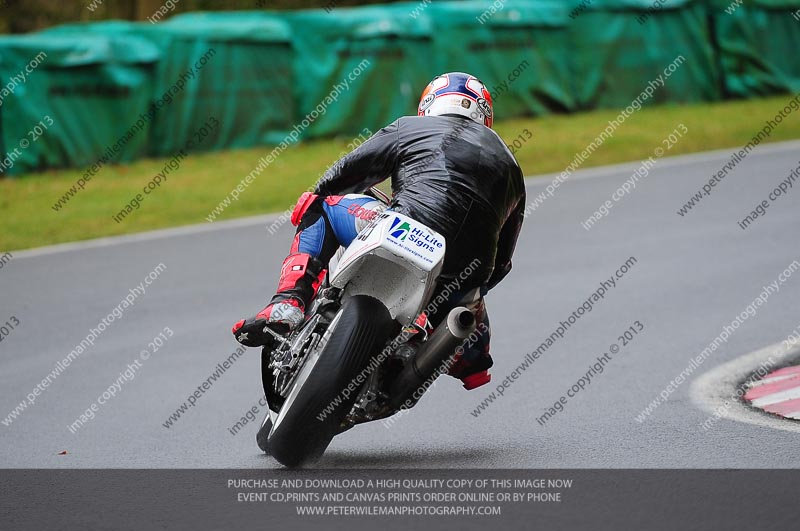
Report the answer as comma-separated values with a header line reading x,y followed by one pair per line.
x,y
450,171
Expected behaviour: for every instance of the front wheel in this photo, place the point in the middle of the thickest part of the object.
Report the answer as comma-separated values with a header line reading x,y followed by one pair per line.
x,y
326,388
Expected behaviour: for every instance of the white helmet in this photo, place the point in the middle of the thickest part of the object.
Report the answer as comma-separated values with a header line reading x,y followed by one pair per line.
x,y
457,93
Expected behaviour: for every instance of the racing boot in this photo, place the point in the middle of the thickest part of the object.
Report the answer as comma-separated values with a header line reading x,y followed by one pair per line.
x,y
301,276
472,362
472,368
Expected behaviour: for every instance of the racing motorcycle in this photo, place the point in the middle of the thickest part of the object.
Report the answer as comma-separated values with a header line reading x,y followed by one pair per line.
x,y
366,349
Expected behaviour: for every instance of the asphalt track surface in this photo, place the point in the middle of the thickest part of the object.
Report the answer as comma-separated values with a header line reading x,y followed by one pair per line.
x,y
693,275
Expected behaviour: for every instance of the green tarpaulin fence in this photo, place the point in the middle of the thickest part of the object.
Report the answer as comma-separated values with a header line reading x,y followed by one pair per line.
x,y
235,67
116,91
521,52
373,61
92,88
618,46
246,81
758,44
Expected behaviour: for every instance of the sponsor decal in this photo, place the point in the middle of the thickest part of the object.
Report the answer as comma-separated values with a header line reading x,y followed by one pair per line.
x,y
401,231
427,101
404,232
485,108
362,213
366,231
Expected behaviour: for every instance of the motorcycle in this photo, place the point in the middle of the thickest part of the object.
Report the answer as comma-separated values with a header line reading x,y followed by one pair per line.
x,y
365,350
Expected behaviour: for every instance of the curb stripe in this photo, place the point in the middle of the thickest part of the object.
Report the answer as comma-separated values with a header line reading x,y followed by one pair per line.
x,y
786,408
773,388
770,380
783,396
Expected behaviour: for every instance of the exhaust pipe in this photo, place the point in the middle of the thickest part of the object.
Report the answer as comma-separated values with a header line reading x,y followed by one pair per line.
x,y
441,346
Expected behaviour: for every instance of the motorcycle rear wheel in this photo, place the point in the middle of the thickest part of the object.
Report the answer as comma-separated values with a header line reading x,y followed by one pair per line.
x,y
262,437
314,410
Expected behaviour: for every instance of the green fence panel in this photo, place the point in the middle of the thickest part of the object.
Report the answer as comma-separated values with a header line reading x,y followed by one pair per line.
x,y
117,90
758,45
359,68
235,67
519,49
617,47
247,82
92,88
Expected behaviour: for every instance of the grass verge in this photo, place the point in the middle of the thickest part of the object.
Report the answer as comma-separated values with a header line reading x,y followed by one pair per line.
x,y
203,180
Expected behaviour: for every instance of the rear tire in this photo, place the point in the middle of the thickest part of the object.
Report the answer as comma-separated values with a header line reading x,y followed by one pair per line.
x,y
299,435
262,437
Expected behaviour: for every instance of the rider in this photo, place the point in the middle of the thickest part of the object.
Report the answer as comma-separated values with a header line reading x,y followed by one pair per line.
x,y
450,171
